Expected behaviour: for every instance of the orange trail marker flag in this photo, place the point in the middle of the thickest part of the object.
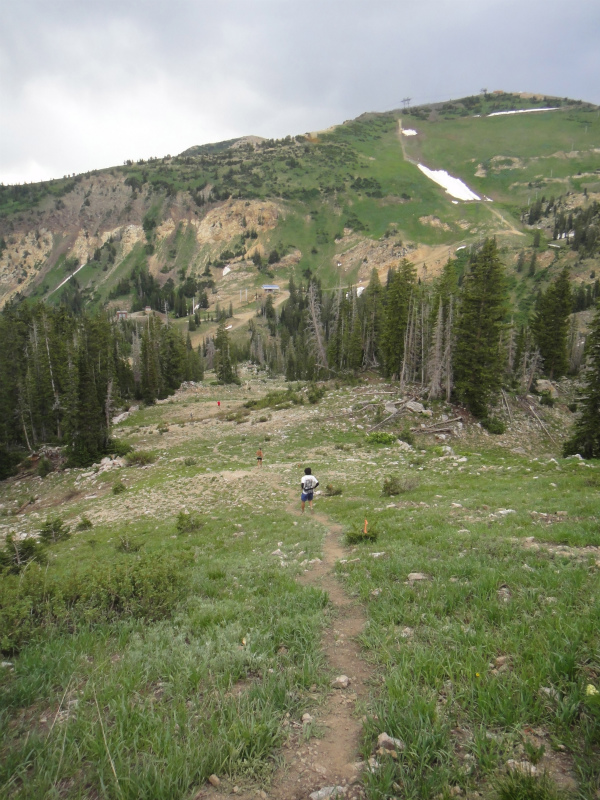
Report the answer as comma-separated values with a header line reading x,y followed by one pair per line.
x,y
366,523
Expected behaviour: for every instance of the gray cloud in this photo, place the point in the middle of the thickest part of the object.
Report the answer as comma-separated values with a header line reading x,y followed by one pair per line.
x,y
86,85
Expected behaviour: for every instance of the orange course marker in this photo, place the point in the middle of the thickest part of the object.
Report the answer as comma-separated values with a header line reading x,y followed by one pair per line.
x,y
366,523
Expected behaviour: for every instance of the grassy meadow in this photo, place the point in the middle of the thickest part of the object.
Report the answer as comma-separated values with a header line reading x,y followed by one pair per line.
x,y
167,638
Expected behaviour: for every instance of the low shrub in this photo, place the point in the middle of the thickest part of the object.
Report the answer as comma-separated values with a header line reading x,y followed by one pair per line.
x,y
119,488
572,407
18,553
190,461
315,393
493,425
141,458
332,491
148,587
84,524
238,416
119,448
406,435
188,522
44,467
379,437
283,398
360,536
394,485
9,461
128,545
54,530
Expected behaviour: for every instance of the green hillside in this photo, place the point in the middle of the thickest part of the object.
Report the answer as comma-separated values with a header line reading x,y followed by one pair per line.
x,y
328,192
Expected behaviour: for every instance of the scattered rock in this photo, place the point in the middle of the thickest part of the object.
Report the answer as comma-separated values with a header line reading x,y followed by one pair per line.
x,y
341,682
306,719
549,691
214,780
328,791
505,511
386,742
375,592
417,408
417,576
546,386
504,594
406,632
522,767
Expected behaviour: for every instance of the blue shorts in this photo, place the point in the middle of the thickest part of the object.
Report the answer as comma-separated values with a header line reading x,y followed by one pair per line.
x,y
306,496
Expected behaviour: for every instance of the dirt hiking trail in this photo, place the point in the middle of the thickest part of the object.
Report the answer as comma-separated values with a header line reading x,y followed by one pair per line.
x,y
332,758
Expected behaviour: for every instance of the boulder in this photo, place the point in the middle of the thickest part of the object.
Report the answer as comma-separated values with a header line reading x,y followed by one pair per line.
x,y
341,682
544,386
386,742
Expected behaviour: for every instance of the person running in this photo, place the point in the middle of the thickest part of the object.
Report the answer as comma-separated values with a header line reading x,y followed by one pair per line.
x,y
309,483
259,457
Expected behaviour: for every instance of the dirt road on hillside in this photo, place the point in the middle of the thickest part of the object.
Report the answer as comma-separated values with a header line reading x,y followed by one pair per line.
x,y
236,321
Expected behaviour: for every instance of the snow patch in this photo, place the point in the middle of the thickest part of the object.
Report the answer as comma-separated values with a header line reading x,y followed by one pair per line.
x,y
360,290
519,111
226,271
453,186
408,132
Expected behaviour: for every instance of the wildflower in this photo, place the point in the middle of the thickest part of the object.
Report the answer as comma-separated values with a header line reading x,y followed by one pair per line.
x,y
591,690
477,675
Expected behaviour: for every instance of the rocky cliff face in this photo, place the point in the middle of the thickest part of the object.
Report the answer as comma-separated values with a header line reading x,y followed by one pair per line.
x,y
43,246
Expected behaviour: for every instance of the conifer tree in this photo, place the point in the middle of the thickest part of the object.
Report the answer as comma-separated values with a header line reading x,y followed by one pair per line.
x,y
373,317
400,285
478,359
89,432
586,435
551,325
150,372
223,366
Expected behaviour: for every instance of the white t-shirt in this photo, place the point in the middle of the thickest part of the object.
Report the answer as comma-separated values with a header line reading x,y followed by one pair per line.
x,y
309,482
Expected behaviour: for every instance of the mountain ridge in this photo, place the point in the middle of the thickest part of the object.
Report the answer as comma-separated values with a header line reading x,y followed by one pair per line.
x,y
352,187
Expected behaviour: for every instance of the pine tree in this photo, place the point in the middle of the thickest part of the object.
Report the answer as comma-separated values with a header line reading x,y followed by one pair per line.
x,y
316,329
478,358
90,432
400,285
150,362
373,316
551,325
586,435
223,366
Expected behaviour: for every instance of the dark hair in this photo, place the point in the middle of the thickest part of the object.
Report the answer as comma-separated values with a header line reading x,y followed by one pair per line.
x,y
307,471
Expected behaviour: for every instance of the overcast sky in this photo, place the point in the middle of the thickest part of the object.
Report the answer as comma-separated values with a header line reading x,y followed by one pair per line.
x,y
86,84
